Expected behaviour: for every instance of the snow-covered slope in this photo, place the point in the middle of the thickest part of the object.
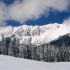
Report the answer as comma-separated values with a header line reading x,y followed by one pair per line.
x,y
12,63
37,35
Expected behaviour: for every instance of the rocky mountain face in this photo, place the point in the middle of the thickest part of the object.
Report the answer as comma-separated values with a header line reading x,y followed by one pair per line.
x,y
38,34
48,43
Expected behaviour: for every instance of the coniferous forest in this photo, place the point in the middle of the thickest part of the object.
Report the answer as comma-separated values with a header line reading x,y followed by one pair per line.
x,y
55,51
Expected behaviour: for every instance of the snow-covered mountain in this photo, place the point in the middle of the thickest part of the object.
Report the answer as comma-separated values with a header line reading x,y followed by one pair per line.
x,y
36,35
49,43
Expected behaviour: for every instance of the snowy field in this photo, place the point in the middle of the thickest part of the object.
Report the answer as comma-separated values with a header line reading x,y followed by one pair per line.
x,y
12,63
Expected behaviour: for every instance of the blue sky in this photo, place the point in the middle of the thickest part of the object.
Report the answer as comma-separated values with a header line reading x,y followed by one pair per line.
x,y
53,17
59,17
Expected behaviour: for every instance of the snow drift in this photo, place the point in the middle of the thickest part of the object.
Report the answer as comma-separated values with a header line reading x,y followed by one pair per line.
x,y
11,63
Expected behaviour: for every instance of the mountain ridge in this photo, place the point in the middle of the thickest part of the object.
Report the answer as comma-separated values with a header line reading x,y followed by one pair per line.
x,y
38,35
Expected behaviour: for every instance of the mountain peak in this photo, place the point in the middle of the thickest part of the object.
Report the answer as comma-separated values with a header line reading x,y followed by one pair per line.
x,y
36,34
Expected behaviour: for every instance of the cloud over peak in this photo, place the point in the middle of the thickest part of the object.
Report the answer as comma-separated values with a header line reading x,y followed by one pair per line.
x,y
23,10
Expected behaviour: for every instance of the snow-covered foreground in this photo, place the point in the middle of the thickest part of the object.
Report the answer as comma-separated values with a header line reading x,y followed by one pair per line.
x,y
12,63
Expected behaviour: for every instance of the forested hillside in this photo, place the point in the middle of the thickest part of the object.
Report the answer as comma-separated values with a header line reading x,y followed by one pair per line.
x,y
55,51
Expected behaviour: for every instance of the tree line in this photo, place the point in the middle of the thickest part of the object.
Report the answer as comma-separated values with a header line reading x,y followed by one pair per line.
x,y
46,52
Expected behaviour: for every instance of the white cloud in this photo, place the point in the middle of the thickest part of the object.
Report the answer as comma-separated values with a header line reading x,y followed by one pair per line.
x,y
31,9
2,23
67,22
2,11
3,14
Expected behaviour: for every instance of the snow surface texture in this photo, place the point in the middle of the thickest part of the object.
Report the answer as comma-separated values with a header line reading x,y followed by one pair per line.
x,y
12,63
37,35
